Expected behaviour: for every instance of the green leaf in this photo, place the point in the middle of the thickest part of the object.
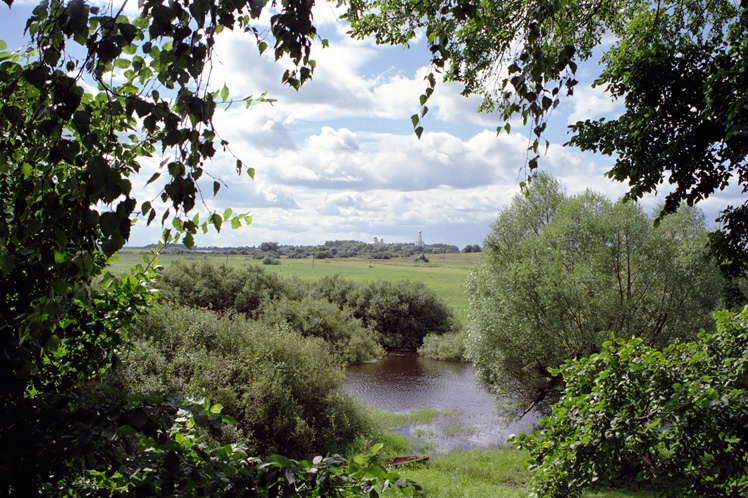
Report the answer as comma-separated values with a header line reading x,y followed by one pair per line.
x,y
52,344
122,63
224,93
216,220
227,214
60,257
153,178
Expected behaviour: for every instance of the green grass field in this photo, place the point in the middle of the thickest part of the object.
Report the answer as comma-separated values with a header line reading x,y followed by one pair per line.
x,y
445,273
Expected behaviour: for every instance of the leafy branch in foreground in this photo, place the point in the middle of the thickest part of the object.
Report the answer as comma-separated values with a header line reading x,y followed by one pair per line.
x,y
674,419
95,96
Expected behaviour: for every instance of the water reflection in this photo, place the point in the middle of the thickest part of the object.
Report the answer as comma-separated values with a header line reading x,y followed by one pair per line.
x,y
404,382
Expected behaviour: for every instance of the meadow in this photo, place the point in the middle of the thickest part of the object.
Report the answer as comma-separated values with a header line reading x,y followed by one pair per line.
x,y
445,274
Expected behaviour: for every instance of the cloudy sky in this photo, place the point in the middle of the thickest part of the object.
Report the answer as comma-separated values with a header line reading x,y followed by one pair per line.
x,y
339,159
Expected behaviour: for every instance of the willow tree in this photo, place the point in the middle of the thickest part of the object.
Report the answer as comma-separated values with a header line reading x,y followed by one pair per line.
x,y
561,273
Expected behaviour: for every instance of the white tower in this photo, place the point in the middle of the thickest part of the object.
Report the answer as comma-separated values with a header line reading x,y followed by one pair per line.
x,y
419,240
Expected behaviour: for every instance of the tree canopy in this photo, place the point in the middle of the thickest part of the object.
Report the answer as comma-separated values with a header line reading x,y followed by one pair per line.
x,y
93,96
679,66
560,273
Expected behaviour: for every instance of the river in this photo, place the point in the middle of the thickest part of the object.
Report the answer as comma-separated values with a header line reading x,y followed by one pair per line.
x,y
403,382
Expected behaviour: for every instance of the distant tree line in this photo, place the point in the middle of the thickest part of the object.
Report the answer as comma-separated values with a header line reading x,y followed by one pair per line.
x,y
330,249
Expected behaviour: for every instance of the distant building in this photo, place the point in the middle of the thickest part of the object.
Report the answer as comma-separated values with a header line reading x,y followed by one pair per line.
x,y
419,240
376,241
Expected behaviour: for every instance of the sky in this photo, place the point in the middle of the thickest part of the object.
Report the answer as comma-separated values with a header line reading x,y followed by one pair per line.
x,y
338,160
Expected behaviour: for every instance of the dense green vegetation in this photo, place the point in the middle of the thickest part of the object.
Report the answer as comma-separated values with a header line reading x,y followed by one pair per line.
x,y
72,134
560,273
353,318
282,389
674,418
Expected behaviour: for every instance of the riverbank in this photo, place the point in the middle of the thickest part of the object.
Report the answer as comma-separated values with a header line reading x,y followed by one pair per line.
x,y
497,472
486,472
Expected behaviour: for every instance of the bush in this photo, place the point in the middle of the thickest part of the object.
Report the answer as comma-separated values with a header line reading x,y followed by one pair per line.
x,y
334,289
282,389
220,287
421,259
447,347
402,313
267,260
675,418
349,342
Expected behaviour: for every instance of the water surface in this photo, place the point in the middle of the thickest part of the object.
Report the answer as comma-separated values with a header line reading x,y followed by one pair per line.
x,y
404,382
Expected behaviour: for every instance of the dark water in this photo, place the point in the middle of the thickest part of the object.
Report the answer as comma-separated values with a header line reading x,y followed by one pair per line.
x,y
405,382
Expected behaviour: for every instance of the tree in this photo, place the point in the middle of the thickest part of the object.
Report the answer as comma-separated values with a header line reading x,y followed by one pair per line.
x,y
73,133
560,273
674,418
680,67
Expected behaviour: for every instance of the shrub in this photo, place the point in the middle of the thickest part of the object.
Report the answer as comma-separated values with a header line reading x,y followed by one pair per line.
x,y
220,287
559,273
333,288
446,347
675,418
402,313
349,342
282,389
267,260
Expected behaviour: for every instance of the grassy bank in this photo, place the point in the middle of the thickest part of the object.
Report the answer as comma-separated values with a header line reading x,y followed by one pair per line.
x,y
499,472
482,473
445,273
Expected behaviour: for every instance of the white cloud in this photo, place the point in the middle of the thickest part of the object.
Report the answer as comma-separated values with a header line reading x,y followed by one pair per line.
x,y
592,103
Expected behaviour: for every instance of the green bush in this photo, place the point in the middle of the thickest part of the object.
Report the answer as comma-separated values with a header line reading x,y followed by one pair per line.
x,y
220,287
675,418
282,389
446,347
333,288
402,313
349,342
